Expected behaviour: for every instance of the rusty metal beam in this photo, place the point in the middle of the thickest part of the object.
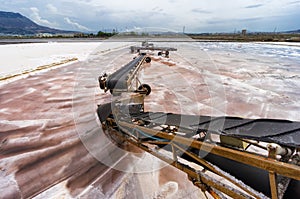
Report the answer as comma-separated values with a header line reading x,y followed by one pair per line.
x,y
273,185
269,164
216,170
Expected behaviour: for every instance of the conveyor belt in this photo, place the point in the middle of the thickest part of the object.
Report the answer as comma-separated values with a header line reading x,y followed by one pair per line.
x,y
135,48
118,80
257,176
283,132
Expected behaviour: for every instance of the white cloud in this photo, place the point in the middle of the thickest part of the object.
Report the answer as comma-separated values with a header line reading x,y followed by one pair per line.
x,y
76,25
35,16
52,8
196,16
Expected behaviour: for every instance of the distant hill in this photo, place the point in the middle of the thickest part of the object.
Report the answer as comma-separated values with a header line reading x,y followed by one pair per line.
x,y
17,24
293,31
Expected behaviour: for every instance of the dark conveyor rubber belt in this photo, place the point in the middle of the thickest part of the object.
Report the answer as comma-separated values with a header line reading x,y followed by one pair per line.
x,y
283,132
118,80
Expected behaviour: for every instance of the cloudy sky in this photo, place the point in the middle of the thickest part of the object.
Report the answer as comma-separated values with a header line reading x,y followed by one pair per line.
x,y
194,15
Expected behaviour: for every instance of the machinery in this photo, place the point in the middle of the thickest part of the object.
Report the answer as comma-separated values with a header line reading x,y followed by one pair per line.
x,y
255,158
150,46
123,79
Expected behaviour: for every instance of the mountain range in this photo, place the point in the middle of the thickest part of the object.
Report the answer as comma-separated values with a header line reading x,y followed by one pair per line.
x,y
16,24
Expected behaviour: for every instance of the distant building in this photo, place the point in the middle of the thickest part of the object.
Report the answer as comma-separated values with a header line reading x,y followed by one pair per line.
x,y
44,35
244,32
